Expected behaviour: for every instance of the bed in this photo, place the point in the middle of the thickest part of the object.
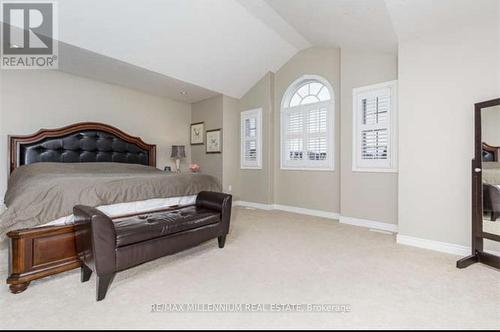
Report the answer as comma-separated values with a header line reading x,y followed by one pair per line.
x,y
86,163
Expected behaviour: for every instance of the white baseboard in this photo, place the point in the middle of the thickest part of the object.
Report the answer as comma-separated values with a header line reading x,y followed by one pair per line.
x,y
448,248
323,214
309,212
369,224
293,209
260,206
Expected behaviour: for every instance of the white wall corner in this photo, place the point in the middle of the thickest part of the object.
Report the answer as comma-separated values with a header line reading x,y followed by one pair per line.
x,y
369,224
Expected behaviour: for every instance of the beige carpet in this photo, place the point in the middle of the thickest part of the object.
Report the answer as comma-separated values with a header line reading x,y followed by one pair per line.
x,y
274,257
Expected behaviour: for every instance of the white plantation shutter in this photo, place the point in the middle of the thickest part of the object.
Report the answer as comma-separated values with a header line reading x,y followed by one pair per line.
x,y
374,144
251,139
374,132
307,128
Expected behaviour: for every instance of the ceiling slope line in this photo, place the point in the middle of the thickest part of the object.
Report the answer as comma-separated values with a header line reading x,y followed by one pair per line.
x,y
265,13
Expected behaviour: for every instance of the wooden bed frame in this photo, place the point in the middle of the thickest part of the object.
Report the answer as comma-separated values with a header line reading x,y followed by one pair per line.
x,y
38,252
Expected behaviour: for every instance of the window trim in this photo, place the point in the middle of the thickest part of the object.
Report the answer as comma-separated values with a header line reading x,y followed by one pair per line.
x,y
289,93
244,115
392,126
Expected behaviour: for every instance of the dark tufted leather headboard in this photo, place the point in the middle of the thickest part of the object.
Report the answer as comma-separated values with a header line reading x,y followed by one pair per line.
x,y
80,143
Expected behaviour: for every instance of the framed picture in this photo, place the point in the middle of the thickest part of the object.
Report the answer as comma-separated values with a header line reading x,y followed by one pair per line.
x,y
197,133
214,141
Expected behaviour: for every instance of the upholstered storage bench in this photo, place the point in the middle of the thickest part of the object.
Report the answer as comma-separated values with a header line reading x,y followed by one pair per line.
x,y
107,246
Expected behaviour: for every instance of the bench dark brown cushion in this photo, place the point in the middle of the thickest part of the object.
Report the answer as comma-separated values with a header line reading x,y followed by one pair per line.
x,y
146,227
107,246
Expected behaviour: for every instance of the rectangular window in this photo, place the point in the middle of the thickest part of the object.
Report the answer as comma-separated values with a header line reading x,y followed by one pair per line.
x,y
307,137
374,128
251,139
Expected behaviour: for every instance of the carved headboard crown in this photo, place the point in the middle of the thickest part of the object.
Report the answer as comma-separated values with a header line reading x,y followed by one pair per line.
x,y
489,152
80,143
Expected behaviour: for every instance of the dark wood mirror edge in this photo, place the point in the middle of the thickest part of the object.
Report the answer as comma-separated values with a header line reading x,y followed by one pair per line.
x,y
478,255
39,252
15,141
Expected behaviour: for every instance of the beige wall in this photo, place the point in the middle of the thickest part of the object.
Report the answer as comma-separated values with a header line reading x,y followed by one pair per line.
x,y
256,185
319,190
34,99
3,146
364,195
440,78
219,112
231,148
208,111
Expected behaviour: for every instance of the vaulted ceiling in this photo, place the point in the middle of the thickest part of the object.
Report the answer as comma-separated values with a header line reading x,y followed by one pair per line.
x,y
341,23
218,44
224,46
416,18
205,47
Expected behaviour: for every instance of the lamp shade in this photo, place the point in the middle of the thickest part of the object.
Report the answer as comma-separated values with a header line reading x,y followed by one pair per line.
x,y
178,152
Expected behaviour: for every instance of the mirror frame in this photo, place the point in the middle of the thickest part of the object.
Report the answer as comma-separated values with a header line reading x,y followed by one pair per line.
x,y
478,235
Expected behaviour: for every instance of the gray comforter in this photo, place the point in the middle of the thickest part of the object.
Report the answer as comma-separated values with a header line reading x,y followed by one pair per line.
x,y
43,192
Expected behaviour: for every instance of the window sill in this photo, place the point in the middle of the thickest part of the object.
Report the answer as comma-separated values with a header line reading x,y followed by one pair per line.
x,y
307,169
374,170
251,167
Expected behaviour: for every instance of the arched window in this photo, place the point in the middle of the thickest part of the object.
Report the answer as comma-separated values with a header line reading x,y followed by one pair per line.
x,y
310,93
307,125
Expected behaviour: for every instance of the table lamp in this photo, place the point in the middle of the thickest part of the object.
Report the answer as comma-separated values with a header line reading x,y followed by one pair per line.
x,y
178,152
